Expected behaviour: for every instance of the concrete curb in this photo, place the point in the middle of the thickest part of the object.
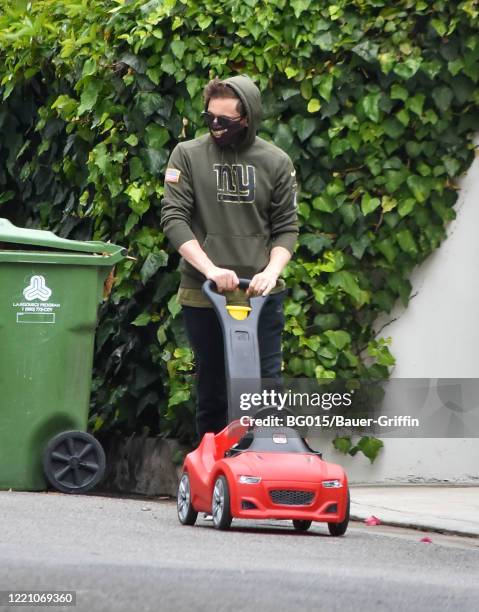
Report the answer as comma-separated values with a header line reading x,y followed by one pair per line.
x,y
418,527
441,509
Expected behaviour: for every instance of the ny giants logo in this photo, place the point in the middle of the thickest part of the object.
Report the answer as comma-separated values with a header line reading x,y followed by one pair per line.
x,y
235,183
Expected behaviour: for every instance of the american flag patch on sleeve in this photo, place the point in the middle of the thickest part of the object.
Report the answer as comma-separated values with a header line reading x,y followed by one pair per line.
x,y
172,175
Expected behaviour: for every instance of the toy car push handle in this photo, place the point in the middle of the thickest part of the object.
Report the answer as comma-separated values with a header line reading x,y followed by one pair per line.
x,y
240,335
219,302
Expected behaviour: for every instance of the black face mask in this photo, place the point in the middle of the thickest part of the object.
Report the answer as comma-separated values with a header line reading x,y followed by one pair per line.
x,y
233,131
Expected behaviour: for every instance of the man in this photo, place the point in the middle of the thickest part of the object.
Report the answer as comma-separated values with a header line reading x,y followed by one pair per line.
x,y
229,209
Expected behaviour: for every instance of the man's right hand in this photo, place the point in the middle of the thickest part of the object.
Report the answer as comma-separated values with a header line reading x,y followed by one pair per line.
x,y
225,280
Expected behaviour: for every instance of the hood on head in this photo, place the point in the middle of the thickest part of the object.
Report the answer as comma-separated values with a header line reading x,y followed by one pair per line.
x,y
250,96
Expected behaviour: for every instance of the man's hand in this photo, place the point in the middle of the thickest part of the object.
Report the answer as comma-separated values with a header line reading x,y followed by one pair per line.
x,y
265,281
226,280
262,283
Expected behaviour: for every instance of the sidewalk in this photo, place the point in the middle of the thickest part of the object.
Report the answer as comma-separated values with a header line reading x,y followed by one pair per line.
x,y
449,509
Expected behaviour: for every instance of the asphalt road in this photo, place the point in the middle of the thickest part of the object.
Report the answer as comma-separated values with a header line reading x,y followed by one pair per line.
x,y
133,555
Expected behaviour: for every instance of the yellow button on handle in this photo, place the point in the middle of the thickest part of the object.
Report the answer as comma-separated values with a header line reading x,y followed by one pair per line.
x,y
238,312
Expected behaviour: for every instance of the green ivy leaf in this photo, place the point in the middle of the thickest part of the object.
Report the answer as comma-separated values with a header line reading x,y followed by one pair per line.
x,y
315,243
370,447
380,351
193,85
314,105
442,97
204,21
306,89
387,248
325,87
131,222
156,136
291,72
325,203
406,206
6,196
148,102
369,204
155,160
338,338
138,202
322,374
419,187
168,65
388,204
346,281
393,128
136,168
178,47
325,41
283,137
439,26
398,92
370,106
416,103
299,6
142,319
332,261
89,67
179,397
173,306
406,241
303,126
134,61
452,166
342,444
132,140
408,68
367,50
89,95
153,262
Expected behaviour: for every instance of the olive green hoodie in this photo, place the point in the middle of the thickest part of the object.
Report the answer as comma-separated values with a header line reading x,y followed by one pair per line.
x,y
237,201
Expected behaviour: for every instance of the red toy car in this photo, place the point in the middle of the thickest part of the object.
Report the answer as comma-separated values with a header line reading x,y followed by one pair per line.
x,y
260,472
263,473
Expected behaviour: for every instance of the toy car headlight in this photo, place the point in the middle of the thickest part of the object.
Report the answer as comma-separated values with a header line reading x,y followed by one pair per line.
x,y
249,479
332,484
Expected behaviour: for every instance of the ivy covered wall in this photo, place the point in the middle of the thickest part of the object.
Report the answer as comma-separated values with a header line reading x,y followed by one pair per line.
x,y
375,102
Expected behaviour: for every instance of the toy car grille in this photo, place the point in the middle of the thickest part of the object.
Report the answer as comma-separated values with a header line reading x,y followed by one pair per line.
x,y
290,497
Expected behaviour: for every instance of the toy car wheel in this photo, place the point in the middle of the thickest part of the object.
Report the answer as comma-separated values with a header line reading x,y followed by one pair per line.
x,y
220,504
187,515
301,525
339,529
74,462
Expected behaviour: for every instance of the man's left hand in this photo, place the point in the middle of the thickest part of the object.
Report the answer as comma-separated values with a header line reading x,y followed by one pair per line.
x,y
262,283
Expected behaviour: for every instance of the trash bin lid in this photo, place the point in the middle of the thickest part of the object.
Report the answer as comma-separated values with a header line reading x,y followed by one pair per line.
x,y
55,249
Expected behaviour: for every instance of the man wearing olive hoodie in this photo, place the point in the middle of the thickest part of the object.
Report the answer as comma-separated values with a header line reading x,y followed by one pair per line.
x,y
229,208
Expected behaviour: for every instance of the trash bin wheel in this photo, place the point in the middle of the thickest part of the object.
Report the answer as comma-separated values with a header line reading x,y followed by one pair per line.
x,y
73,462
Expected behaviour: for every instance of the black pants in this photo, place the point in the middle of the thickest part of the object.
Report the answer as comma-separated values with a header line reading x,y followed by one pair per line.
x,y
204,333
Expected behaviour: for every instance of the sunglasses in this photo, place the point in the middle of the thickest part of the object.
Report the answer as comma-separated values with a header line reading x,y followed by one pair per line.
x,y
222,121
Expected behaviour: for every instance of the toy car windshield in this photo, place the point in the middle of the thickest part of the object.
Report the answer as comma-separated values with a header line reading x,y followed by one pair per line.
x,y
271,440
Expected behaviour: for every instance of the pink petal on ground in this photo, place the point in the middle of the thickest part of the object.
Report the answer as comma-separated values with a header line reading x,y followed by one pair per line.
x,y
372,520
426,539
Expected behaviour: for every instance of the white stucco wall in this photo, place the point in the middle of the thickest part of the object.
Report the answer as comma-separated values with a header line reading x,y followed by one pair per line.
x,y
436,336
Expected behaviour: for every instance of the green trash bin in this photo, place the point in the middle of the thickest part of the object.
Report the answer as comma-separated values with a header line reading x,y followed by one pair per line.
x,y
50,289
